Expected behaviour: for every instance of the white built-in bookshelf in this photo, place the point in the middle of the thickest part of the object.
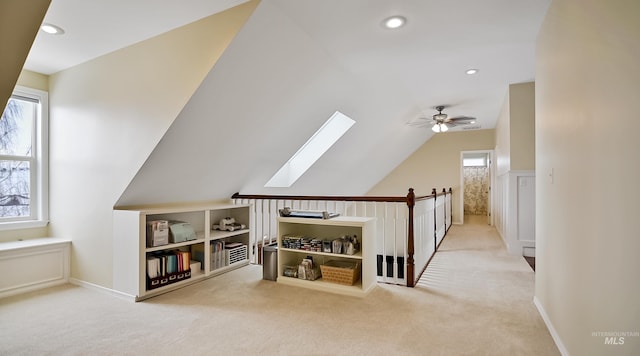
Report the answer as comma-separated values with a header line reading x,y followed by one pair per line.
x,y
228,250
329,229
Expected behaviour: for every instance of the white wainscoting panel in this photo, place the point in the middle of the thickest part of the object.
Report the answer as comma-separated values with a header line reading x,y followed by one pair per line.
x,y
33,264
515,211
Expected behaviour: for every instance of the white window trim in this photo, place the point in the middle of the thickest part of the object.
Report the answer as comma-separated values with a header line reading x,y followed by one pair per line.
x,y
41,193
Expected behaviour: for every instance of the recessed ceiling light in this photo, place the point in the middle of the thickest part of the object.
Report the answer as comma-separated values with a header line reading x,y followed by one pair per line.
x,y
471,71
395,22
51,29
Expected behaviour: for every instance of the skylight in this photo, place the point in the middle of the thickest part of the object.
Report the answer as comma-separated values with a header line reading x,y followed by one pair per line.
x,y
311,151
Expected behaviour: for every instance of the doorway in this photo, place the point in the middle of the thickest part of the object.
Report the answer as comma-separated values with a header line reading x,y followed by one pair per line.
x,y
476,181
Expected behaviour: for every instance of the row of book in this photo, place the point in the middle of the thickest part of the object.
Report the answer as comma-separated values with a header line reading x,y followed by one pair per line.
x,y
166,262
218,255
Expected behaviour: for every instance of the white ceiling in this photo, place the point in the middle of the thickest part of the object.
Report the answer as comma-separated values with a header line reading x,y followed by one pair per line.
x,y
425,61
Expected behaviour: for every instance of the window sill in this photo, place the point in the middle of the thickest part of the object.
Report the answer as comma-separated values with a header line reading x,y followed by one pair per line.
x,y
18,225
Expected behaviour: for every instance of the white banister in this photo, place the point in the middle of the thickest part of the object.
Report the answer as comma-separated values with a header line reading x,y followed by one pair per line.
x,y
431,217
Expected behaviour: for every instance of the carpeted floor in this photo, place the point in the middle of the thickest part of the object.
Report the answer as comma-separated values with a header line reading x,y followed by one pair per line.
x,y
474,299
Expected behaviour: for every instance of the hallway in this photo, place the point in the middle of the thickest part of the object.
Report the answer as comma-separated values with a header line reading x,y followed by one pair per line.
x,y
489,292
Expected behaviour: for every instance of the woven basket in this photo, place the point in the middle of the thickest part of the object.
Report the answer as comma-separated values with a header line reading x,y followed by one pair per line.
x,y
341,272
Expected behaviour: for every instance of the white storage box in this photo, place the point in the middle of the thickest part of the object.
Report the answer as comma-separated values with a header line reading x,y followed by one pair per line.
x,y
195,267
235,253
157,233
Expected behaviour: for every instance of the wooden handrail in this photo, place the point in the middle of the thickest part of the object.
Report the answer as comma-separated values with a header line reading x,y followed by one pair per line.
x,y
398,199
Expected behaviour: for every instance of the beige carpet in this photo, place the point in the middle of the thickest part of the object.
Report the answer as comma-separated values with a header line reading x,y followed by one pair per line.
x,y
474,299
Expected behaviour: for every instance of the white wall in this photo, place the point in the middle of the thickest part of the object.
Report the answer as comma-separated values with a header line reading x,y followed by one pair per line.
x,y
515,211
587,107
107,115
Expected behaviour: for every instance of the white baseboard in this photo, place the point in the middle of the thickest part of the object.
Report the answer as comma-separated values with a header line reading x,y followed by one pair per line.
x,y
102,289
552,330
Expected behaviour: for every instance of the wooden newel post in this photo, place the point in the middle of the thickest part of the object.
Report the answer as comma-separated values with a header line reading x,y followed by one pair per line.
x,y
411,202
451,205
434,192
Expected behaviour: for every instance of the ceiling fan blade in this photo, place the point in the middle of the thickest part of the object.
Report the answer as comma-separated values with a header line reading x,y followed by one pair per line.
x,y
461,120
420,123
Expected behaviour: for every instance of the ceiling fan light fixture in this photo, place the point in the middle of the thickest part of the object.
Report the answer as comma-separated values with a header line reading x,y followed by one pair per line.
x,y
394,22
471,71
439,127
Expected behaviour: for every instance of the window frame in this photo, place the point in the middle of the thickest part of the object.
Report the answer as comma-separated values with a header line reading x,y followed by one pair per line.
x,y
39,165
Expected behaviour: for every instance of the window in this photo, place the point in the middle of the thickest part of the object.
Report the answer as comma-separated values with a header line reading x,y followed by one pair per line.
x,y
312,150
23,160
474,161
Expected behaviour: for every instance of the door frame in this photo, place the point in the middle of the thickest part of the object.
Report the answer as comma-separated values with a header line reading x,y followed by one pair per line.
x,y
490,160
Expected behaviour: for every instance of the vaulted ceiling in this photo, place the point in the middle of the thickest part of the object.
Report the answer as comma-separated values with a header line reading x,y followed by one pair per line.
x,y
295,63
19,24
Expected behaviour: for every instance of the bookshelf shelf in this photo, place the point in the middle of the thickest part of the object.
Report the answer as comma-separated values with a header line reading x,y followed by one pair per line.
x,y
217,234
174,246
131,251
356,256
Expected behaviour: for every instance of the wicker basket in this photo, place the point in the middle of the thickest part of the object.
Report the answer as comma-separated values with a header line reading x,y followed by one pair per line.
x,y
341,272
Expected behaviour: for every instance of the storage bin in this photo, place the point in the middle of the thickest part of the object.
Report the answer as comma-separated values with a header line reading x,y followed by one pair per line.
x,y
341,272
236,254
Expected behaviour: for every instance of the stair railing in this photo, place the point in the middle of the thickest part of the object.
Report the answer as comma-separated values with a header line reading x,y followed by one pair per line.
x,y
409,228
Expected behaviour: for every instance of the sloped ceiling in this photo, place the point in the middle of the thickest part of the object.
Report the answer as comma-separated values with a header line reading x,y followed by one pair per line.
x,y
97,27
19,24
296,62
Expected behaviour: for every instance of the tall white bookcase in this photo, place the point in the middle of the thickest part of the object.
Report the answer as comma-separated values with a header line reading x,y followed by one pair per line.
x,y
130,250
363,227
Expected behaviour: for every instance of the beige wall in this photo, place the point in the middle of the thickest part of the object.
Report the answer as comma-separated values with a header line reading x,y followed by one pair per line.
x,y
34,80
587,107
515,130
107,115
436,164
522,126
503,138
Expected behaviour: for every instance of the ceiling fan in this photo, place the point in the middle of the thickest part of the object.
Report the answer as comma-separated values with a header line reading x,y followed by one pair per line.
x,y
442,122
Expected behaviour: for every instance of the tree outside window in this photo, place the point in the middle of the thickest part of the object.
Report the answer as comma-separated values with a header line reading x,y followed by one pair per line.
x,y
22,187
